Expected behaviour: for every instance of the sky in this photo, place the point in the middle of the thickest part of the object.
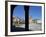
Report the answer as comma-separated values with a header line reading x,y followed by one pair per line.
x,y
34,11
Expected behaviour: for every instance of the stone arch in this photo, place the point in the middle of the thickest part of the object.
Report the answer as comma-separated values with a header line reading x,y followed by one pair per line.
x,y
26,9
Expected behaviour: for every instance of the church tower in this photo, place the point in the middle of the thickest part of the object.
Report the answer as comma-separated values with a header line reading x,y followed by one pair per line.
x,y
30,19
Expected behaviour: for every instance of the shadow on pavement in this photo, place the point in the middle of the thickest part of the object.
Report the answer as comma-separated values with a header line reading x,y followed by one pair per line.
x,y
17,29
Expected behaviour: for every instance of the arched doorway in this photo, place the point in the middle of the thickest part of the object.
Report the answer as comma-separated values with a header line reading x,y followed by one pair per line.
x,y
26,9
